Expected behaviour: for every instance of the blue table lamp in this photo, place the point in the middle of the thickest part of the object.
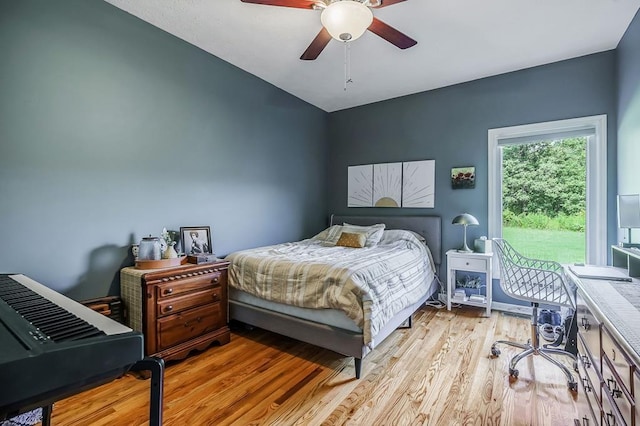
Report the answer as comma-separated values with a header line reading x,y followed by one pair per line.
x,y
465,219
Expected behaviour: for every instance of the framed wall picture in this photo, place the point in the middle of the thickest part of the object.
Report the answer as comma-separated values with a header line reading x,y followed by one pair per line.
x,y
196,240
418,183
463,177
387,185
360,186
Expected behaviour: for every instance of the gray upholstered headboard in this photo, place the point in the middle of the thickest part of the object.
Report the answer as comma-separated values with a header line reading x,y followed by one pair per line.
x,y
429,227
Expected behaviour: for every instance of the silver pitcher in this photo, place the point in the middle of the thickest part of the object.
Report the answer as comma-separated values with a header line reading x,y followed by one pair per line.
x,y
150,249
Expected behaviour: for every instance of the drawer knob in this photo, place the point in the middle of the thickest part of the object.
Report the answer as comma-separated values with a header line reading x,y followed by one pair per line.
x,y
168,308
467,263
168,291
215,280
585,361
199,319
613,387
215,296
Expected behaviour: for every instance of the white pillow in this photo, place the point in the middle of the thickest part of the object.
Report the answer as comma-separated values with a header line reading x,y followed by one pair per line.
x,y
327,233
420,238
393,235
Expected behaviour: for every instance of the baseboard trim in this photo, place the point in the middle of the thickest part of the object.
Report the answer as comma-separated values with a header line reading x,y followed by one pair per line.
x,y
512,309
499,306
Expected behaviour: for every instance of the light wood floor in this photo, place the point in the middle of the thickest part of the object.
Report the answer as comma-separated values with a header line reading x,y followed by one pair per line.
x,y
437,373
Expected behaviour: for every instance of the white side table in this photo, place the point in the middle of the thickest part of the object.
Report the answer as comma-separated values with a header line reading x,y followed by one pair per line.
x,y
469,262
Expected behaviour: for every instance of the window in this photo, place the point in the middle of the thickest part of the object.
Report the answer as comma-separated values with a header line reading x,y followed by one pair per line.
x,y
594,129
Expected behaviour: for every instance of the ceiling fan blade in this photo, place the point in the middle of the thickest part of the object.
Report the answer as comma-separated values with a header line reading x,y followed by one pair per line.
x,y
390,34
384,3
317,45
300,4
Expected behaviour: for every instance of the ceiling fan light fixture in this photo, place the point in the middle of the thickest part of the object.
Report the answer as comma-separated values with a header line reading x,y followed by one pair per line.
x,y
346,20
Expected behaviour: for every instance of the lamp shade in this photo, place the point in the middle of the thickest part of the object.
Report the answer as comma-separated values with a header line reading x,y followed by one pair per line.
x,y
465,219
346,20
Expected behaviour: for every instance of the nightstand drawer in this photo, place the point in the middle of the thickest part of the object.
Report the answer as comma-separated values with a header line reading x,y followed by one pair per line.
x,y
184,326
175,286
173,305
468,264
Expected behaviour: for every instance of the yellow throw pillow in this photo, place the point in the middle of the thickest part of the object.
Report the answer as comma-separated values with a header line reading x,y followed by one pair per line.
x,y
355,240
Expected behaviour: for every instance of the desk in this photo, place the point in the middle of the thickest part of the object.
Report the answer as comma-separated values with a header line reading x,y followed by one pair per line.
x,y
608,316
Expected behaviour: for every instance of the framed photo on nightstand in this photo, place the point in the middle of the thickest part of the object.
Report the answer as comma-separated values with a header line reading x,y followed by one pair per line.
x,y
196,240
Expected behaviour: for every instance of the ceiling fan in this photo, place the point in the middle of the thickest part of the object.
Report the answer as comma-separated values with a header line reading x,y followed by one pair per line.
x,y
344,20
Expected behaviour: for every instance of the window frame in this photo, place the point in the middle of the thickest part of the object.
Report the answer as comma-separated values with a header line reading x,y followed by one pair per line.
x,y
596,202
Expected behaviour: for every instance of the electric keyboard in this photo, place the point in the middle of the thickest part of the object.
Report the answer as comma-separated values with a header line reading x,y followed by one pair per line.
x,y
53,347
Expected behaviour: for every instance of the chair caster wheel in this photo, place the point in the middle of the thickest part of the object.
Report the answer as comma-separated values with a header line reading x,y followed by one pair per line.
x,y
573,386
495,351
513,373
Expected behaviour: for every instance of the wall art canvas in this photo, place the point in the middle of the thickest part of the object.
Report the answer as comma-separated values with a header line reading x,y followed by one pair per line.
x,y
360,186
418,183
387,185
463,177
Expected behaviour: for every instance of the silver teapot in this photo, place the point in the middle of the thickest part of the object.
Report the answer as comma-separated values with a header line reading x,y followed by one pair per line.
x,y
150,248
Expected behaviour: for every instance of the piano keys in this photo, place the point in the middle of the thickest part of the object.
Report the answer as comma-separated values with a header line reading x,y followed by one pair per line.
x,y
53,347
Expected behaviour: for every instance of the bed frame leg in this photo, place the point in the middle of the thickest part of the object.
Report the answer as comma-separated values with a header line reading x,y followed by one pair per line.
x,y
358,364
407,323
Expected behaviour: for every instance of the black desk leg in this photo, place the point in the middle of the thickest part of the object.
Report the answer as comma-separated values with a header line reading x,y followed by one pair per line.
x,y
156,367
46,415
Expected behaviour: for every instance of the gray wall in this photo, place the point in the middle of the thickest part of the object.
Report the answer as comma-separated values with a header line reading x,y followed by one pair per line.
x,y
450,126
111,129
629,112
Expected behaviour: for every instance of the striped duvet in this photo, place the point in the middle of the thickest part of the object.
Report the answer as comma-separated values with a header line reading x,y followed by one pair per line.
x,y
370,285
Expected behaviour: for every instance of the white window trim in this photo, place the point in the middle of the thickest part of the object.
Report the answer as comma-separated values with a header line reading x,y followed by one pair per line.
x,y
596,177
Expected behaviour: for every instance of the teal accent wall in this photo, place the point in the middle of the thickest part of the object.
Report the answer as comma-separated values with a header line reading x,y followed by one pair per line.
x,y
629,113
450,126
111,129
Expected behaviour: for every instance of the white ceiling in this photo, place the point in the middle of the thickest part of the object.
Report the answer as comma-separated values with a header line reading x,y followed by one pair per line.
x,y
458,41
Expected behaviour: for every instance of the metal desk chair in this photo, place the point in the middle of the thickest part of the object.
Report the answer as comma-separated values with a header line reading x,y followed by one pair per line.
x,y
536,281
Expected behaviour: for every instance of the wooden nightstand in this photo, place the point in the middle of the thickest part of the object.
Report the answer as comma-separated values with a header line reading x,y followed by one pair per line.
x,y
177,309
469,262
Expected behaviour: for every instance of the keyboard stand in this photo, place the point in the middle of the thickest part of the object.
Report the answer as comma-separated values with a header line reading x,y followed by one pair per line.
x,y
156,367
151,364
46,415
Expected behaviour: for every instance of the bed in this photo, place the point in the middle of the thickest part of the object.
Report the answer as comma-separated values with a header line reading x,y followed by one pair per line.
x,y
256,299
